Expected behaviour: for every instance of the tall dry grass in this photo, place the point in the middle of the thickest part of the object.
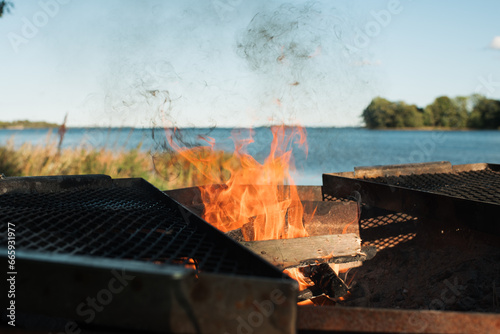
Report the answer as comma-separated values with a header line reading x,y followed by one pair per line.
x,y
166,170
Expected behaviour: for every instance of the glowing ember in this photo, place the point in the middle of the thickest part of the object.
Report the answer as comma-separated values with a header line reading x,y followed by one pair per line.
x,y
254,192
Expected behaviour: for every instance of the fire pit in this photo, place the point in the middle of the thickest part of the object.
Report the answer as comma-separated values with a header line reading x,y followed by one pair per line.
x,y
427,276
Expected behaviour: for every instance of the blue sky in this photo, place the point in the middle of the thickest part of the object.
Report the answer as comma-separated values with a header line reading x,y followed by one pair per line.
x,y
240,63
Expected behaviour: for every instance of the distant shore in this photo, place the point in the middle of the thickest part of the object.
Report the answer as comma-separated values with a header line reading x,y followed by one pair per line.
x,y
429,128
25,124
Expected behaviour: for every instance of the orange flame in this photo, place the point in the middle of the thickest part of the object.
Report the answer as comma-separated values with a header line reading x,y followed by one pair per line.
x,y
254,192
295,273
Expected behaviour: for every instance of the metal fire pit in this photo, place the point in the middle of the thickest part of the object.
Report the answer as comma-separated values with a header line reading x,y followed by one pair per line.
x,y
364,320
392,233
120,253
82,236
424,218
449,196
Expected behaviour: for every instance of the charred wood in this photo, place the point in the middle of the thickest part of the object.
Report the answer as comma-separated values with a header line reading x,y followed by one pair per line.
x,y
325,279
310,292
366,253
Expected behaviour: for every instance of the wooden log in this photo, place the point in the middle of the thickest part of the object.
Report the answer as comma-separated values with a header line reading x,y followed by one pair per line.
x,y
320,218
289,253
325,279
236,235
244,233
403,169
344,262
325,218
308,293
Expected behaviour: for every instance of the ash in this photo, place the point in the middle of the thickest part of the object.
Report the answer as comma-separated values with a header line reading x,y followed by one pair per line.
x,y
437,270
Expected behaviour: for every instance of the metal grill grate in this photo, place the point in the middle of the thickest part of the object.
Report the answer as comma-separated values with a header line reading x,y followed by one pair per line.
x,y
482,185
118,222
381,228
447,197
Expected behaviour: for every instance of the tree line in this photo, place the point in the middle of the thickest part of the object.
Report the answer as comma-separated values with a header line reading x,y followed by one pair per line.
x,y
27,124
475,111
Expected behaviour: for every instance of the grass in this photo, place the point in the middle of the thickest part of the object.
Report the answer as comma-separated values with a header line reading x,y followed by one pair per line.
x,y
166,171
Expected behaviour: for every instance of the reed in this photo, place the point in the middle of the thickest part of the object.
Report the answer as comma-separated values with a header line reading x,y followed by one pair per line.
x,y
166,170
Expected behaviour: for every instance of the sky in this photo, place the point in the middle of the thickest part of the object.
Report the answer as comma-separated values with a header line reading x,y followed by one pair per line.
x,y
235,63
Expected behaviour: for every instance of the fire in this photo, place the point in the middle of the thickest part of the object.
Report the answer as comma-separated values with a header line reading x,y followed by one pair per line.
x,y
190,263
254,197
260,199
295,273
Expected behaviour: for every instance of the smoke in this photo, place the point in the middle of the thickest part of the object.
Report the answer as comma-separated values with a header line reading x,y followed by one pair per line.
x,y
285,37
153,51
303,66
286,64
142,90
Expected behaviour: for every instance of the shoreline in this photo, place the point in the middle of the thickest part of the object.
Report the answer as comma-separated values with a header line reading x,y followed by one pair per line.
x,y
432,129
50,126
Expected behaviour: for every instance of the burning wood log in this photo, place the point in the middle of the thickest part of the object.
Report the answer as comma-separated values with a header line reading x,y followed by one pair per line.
x,y
289,253
325,279
366,253
309,293
243,233
320,218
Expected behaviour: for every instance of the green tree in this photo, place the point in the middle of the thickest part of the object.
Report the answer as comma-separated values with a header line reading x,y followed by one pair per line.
x,y
475,99
475,111
462,111
474,120
428,117
440,109
382,113
485,114
412,117
448,112
379,113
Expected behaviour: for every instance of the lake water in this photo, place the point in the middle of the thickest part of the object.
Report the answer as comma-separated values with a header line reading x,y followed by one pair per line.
x,y
330,149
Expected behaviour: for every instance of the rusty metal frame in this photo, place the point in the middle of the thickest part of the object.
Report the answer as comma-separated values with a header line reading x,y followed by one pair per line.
x,y
143,296
164,297
364,320
443,211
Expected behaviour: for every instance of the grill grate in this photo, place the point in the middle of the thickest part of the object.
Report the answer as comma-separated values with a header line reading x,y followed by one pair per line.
x,y
447,197
482,185
382,228
117,222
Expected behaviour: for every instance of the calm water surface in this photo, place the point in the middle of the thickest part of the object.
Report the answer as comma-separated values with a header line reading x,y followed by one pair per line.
x,y
329,149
